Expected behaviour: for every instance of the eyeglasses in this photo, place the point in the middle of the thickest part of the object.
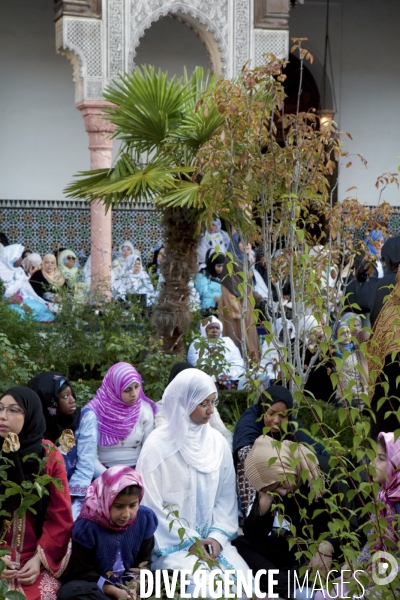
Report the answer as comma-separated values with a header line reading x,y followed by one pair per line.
x,y
11,410
208,404
70,257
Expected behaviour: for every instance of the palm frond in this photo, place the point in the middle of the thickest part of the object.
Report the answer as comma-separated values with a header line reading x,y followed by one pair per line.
x,y
201,116
148,107
127,182
185,193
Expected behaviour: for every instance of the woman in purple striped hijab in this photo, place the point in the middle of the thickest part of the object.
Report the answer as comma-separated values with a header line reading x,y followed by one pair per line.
x,y
125,417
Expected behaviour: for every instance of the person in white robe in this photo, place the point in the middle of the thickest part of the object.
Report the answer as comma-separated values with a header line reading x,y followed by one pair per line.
x,y
87,273
233,365
133,279
212,239
215,420
272,353
126,249
14,278
16,282
188,466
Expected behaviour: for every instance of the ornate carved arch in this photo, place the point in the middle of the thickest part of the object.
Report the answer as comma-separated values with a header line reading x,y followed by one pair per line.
x,y
208,18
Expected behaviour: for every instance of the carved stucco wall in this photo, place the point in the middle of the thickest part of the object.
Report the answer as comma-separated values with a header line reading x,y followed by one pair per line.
x,y
99,49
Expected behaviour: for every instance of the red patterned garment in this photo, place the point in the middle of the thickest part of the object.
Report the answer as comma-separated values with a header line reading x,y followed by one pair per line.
x,y
53,544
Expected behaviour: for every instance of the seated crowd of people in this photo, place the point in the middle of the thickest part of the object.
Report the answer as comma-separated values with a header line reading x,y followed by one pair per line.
x,y
162,484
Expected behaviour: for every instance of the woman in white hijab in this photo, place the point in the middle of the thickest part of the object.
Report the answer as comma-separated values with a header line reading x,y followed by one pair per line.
x,y
126,249
272,352
234,365
16,283
68,266
31,263
212,238
188,464
134,280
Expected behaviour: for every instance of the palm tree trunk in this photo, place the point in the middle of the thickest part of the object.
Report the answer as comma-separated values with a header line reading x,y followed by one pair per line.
x,y
171,317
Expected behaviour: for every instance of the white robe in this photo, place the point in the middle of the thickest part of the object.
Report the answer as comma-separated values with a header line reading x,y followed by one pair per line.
x,y
207,507
134,283
210,241
232,355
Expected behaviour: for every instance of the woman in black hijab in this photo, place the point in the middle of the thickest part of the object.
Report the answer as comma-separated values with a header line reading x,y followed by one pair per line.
x,y
208,282
274,408
390,254
33,558
59,414
58,402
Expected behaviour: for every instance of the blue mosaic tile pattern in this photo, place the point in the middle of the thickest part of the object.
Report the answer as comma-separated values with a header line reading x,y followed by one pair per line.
x,y
44,226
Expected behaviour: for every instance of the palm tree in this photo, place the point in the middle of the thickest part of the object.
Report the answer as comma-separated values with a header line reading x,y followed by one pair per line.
x,y
161,123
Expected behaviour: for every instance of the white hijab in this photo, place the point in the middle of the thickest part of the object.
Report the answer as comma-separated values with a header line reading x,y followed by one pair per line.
x,y
32,260
201,446
9,273
15,278
207,322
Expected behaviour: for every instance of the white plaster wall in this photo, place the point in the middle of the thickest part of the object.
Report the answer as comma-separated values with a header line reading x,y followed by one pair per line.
x,y
170,45
43,139
364,37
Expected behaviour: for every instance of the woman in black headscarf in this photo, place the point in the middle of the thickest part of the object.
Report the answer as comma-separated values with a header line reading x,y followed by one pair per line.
x,y
61,413
208,282
274,408
390,254
34,560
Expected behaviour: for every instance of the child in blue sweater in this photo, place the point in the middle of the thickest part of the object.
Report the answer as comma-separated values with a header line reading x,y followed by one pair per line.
x,y
113,534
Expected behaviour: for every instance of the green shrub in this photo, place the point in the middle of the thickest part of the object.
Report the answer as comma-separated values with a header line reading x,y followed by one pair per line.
x,y
16,368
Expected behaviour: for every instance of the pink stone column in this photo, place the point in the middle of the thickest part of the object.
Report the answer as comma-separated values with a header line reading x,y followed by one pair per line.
x,y
100,146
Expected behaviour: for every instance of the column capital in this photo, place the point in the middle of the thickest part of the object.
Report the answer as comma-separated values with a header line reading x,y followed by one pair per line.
x,y
93,114
98,128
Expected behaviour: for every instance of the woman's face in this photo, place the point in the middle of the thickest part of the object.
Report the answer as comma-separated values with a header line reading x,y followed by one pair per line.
x,y
123,509
66,402
126,251
131,393
213,331
49,265
161,255
355,323
380,464
69,261
12,416
137,267
275,415
219,269
203,411
344,335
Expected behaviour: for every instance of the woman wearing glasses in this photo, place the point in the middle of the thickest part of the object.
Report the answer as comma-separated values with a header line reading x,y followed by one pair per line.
x,y
34,561
187,465
67,264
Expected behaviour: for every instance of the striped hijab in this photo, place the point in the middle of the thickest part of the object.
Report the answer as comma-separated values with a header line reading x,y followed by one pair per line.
x,y
115,418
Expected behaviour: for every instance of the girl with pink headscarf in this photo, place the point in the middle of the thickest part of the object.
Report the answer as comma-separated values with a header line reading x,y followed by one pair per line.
x,y
125,417
112,535
387,474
